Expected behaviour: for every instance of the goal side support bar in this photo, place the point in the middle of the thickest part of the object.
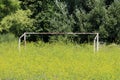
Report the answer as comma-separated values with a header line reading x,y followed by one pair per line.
x,y
96,39
96,42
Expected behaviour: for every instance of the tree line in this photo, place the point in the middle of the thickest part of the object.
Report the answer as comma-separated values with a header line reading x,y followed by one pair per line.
x,y
102,16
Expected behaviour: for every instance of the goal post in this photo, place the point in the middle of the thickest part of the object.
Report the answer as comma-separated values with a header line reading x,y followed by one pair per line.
x,y
96,38
96,42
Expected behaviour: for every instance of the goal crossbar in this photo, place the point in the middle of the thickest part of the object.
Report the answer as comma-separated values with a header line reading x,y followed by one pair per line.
x,y
96,38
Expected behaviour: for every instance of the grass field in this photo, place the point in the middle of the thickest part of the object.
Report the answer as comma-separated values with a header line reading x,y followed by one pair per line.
x,y
59,61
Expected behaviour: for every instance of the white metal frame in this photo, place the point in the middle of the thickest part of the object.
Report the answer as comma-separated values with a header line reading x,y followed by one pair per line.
x,y
96,39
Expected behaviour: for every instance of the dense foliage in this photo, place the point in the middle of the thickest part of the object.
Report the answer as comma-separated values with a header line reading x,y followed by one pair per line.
x,y
103,16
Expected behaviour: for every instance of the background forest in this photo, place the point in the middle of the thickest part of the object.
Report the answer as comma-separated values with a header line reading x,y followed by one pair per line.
x,y
103,16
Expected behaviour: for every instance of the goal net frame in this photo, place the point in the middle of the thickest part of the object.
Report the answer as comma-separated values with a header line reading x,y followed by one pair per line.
x,y
95,41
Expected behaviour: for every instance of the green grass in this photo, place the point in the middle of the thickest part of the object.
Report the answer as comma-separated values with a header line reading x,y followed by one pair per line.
x,y
59,61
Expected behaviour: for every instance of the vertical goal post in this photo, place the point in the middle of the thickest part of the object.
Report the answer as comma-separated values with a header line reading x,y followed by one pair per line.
x,y
96,38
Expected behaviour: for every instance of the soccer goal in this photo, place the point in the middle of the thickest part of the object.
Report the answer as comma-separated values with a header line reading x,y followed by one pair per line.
x,y
95,40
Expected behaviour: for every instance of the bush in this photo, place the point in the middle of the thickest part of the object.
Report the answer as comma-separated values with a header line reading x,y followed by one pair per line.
x,y
7,37
17,23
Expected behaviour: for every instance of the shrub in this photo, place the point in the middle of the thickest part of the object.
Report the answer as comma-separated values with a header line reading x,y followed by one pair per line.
x,y
9,37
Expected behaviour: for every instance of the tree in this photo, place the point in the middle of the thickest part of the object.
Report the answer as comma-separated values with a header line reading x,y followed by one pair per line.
x,y
112,25
17,23
7,7
75,16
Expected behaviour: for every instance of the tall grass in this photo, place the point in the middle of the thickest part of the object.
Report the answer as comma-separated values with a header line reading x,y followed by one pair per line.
x,y
58,61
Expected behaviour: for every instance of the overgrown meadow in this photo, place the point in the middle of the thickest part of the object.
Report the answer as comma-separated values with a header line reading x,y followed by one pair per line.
x,y
59,61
